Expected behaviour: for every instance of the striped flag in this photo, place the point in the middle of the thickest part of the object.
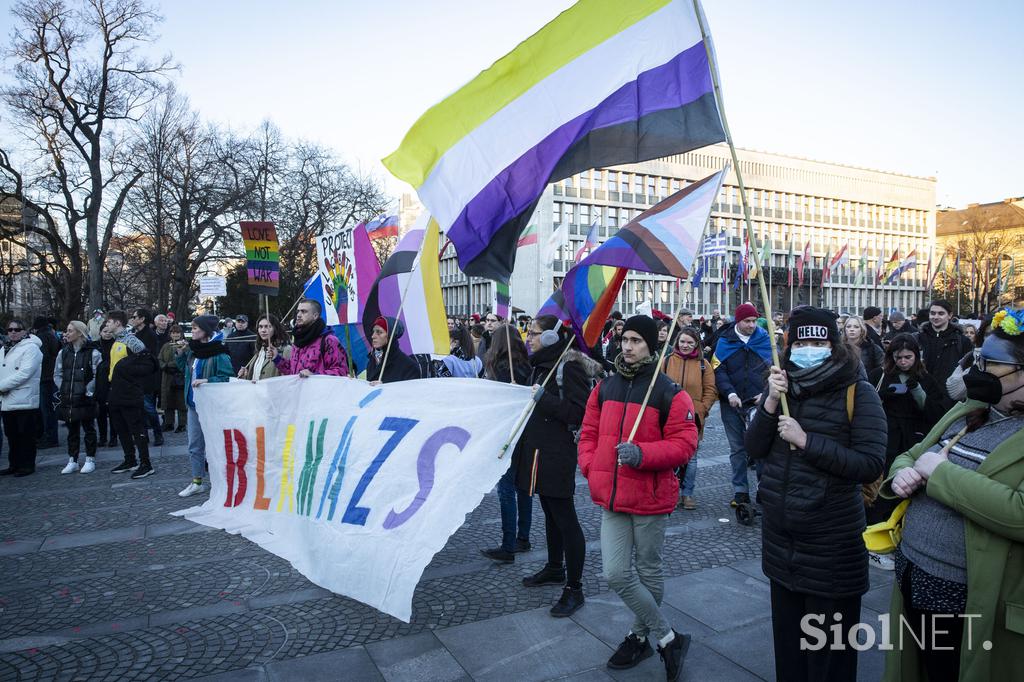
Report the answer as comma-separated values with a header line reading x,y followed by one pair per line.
x,y
801,263
659,241
557,238
839,260
528,237
790,263
908,263
589,244
935,273
605,83
383,226
890,266
412,270
715,245
825,271
502,300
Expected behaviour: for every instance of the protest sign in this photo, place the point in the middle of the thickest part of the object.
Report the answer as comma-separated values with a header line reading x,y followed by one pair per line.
x,y
213,286
336,255
261,253
358,486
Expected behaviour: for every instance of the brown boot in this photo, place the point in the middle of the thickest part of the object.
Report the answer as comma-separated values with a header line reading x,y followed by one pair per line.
x,y
689,504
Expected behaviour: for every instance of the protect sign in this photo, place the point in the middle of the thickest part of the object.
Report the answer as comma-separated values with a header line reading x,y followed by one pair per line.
x,y
357,486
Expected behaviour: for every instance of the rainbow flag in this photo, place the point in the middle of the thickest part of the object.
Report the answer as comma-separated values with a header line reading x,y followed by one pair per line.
x,y
528,237
606,82
383,226
412,270
262,256
907,263
658,241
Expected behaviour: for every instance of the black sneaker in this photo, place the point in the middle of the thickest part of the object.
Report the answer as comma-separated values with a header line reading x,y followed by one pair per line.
x,y
630,653
143,470
740,498
522,546
124,467
673,654
569,603
545,576
499,555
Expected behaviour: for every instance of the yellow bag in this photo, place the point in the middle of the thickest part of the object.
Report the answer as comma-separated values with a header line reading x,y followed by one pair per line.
x,y
882,538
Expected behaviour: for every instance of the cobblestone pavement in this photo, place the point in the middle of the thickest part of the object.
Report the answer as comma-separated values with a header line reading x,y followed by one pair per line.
x,y
101,583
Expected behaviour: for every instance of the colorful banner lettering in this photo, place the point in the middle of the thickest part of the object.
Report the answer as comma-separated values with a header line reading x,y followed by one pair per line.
x,y
357,486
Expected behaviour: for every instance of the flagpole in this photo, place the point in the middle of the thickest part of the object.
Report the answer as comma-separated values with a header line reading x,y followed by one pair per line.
x,y
530,405
743,193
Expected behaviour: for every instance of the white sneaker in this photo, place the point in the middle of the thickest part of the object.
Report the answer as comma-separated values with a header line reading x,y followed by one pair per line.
x,y
192,489
882,561
89,466
70,468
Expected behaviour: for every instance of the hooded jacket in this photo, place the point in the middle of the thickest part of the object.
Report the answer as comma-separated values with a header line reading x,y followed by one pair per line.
x,y
399,367
215,367
698,380
545,458
652,488
942,350
20,368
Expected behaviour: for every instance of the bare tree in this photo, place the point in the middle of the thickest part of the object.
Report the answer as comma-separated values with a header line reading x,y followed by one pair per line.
x,y
984,251
77,79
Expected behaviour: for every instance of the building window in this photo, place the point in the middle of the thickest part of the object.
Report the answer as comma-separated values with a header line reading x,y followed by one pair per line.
x,y
584,214
613,216
556,213
613,181
567,214
638,184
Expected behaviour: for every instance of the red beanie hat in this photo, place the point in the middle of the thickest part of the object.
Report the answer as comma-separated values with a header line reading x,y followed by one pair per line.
x,y
745,310
382,323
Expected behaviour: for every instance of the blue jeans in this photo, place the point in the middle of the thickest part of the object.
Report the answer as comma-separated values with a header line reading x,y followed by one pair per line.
x,y
735,427
513,503
196,444
690,476
46,391
151,417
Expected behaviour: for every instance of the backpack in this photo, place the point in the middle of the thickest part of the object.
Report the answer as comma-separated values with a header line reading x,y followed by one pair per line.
x,y
868,491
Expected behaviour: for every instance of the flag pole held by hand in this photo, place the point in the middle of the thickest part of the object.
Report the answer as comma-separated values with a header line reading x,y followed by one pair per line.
x,y
528,410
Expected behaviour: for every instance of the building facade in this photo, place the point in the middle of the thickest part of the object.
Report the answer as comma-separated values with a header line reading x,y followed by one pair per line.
x,y
793,202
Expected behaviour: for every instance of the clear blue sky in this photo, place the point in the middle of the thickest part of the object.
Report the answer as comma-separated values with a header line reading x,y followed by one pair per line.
x,y
920,88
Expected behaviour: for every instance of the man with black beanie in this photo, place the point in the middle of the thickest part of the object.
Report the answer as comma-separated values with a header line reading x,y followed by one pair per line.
x,y
141,323
873,322
632,477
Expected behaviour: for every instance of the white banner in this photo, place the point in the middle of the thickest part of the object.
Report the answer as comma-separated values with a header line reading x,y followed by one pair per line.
x,y
336,260
213,286
357,486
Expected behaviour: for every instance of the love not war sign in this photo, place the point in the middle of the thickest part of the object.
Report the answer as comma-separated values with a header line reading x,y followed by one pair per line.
x,y
357,486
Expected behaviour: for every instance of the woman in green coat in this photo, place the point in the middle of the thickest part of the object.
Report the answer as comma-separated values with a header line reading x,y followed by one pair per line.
x,y
959,584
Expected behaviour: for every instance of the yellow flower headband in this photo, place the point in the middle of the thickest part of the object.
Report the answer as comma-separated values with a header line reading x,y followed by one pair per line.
x,y
1009,320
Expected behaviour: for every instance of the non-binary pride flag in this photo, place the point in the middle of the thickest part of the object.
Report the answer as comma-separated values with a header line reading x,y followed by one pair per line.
x,y
261,254
659,240
412,271
606,82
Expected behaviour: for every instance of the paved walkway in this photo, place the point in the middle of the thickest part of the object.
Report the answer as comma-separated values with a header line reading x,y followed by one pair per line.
x,y
100,583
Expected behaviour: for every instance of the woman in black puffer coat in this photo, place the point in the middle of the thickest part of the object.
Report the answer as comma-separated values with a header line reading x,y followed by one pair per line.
x,y
545,461
815,462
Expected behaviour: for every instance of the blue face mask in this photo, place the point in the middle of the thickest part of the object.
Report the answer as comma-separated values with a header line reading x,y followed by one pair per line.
x,y
809,356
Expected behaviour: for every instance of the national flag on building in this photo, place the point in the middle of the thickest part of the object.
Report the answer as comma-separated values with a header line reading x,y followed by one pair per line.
x,y
801,263
715,245
557,239
766,251
940,267
825,271
741,268
412,271
908,263
590,243
790,261
528,237
383,226
862,269
604,83
890,266
698,275
659,241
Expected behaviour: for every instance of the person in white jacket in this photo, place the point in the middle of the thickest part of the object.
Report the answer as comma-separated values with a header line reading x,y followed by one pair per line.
x,y
21,362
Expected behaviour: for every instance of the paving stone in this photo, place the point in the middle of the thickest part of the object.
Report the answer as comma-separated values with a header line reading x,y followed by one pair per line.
x,y
415,658
608,619
751,567
748,646
721,598
97,537
523,646
352,664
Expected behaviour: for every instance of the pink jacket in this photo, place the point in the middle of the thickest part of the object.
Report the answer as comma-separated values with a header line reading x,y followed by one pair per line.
x,y
332,361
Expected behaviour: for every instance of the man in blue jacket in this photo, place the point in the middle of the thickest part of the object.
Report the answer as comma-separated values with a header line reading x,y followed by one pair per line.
x,y
741,360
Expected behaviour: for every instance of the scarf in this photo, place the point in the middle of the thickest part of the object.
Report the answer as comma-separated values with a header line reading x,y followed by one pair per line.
x,y
630,371
689,356
828,375
205,350
309,333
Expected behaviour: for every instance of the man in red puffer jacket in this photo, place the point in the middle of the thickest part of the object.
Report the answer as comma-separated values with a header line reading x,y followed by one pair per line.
x,y
636,485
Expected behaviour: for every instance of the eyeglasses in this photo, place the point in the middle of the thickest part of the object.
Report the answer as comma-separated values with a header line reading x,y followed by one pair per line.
x,y
532,333
982,363
491,319
15,329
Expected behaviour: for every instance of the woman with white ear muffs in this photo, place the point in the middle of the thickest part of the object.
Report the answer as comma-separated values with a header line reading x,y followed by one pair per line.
x,y
545,463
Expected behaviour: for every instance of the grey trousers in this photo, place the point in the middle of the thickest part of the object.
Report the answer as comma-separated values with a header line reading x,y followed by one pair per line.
x,y
642,590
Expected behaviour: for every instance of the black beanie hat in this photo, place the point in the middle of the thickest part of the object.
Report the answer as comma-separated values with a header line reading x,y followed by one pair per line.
x,y
807,323
208,323
646,327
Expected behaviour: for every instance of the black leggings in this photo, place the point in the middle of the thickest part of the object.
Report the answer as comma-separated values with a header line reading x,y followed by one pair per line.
x,y
795,665
564,537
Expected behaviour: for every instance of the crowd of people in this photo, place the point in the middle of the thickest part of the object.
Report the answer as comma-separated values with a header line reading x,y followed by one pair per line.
x,y
859,413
